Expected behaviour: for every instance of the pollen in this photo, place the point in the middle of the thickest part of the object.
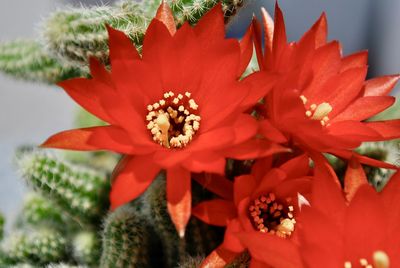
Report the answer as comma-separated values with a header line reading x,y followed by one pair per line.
x,y
173,121
270,215
319,112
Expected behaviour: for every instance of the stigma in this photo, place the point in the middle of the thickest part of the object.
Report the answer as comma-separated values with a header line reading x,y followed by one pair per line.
x,y
269,215
319,112
173,120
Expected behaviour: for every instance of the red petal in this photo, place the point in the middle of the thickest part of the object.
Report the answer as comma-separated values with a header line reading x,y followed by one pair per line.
x,y
268,24
280,40
273,178
391,200
87,93
259,84
354,130
363,159
216,184
364,108
358,59
380,86
231,241
164,14
326,191
243,187
211,26
218,258
216,212
388,130
345,87
297,167
155,40
271,133
320,247
354,178
91,139
312,39
364,214
121,47
179,197
271,249
324,64
133,177
246,50
254,149
99,72
205,162
257,32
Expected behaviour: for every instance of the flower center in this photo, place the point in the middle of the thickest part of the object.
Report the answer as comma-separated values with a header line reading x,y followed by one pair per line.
x,y
173,120
269,215
318,112
379,259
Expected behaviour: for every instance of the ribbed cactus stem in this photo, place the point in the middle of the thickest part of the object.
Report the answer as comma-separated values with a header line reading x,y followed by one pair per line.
x,y
86,248
191,262
64,265
125,240
387,151
38,247
193,10
26,59
80,192
200,238
38,211
242,261
76,34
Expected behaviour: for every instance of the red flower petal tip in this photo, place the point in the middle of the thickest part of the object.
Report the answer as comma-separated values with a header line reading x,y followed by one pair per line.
x,y
164,14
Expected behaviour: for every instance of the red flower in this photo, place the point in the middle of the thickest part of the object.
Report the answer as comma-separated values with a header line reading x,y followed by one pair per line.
x,y
321,98
261,215
179,107
358,230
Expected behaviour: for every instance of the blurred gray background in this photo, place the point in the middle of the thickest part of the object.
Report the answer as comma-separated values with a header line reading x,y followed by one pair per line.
x,y
29,112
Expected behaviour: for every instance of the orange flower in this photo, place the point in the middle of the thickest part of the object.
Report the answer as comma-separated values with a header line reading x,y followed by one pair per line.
x,y
261,215
180,107
358,229
321,98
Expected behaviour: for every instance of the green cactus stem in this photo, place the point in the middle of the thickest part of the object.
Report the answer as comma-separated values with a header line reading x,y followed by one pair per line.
x,y
76,34
38,211
126,240
200,239
193,10
87,248
80,192
26,59
38,247
387,151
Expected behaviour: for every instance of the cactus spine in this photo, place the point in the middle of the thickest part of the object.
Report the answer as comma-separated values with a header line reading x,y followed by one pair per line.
x,y
38,211
125,239
193,10
27,60
75,35
81,192
86,248
38,247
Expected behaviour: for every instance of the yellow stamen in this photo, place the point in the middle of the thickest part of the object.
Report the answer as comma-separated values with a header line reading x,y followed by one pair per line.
x,y
381,259
172,121
322,111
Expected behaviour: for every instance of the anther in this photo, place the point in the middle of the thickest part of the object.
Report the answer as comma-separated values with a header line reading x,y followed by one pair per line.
x,y
381,259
